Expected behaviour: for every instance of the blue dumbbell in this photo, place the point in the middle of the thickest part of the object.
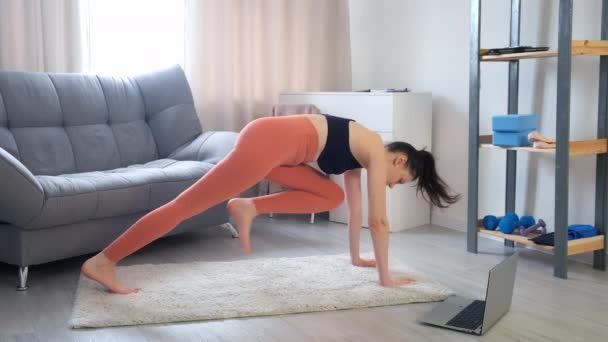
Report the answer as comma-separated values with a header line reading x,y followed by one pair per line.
x,y
490,222
509,223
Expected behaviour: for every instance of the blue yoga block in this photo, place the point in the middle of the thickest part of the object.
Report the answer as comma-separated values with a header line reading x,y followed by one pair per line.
x,y
511,139
514,123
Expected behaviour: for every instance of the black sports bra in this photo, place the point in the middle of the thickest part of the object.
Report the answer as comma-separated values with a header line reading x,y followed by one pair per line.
x,y
336,156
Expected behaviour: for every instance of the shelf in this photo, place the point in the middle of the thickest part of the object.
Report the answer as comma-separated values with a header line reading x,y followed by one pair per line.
x,y
517,56
577,148
576,246
565,49
579,48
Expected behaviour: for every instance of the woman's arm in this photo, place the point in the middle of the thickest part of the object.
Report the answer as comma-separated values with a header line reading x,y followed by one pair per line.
x,y
378,221
352,188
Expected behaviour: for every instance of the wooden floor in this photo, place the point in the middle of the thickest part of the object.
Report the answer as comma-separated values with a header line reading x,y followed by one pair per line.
x,y
544,308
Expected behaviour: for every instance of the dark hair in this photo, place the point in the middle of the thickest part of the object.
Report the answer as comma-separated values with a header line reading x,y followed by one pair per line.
x,y
422,166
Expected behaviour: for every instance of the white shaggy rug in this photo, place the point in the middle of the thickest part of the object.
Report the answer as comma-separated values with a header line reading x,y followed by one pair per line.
x,y
253,287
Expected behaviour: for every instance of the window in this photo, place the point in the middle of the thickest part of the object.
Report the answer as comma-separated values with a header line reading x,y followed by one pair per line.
x,y
125,37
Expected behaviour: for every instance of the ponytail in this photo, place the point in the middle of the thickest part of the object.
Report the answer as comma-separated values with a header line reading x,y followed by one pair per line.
x,y
422,166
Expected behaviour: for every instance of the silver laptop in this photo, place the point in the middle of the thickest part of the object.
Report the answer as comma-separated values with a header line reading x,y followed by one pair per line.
x,y
478,316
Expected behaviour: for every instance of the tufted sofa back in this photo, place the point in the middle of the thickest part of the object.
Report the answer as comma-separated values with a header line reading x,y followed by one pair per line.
x,y
57,123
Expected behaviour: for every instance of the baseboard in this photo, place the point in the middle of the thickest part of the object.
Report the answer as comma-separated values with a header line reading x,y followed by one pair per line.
x,y
448,221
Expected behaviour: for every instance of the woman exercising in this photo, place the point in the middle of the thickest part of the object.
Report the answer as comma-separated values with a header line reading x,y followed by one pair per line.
x,y
287,151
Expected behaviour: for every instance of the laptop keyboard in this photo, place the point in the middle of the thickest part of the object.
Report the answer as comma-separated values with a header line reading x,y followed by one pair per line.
x,y
470,317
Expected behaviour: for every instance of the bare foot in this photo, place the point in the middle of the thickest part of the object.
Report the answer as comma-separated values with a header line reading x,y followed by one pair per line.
x,y
102,270
243,212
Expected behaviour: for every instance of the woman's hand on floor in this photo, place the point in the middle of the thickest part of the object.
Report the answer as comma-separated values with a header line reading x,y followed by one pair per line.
x,y
364,262
397,281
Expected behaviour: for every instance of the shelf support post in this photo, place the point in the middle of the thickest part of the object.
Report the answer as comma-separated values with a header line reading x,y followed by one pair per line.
x,y
564,58
473,172
601,172
513,101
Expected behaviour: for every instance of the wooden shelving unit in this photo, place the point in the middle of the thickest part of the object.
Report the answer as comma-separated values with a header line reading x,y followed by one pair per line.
x,y
577,148
579,48
565,149
577,246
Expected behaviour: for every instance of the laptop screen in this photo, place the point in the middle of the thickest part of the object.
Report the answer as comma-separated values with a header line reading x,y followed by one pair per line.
x,y
500,291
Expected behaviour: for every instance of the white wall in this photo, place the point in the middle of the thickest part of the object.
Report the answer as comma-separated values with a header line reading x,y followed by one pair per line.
x,y
424,45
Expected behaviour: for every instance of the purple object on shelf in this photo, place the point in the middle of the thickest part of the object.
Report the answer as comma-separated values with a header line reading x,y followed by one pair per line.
x,y
534,228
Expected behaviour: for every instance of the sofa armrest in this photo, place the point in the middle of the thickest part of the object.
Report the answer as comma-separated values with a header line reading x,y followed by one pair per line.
x,y
210,147
22,196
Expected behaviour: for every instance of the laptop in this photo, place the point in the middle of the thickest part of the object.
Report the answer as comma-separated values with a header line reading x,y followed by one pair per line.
x,y
478,316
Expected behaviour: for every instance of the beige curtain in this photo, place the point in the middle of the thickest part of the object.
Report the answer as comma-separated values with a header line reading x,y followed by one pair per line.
x,y
40,35
240,54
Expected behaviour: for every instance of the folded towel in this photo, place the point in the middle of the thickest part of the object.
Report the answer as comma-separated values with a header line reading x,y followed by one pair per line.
x,y
578,231
575,231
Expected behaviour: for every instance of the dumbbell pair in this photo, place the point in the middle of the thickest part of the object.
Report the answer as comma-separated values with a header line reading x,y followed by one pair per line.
x,y
534,228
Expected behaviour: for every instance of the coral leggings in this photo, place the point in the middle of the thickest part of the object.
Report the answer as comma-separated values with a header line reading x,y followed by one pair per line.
x,y
274,148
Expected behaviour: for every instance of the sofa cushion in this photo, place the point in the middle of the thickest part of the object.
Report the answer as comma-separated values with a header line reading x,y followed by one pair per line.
x,y
137,188
127,118
59,123
45,150
170,108
7,141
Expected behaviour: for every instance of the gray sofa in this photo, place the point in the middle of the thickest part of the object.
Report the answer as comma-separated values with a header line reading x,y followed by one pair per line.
x,y
82,157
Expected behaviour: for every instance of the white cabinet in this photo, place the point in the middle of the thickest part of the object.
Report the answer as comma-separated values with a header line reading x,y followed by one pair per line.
x,y
396,116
